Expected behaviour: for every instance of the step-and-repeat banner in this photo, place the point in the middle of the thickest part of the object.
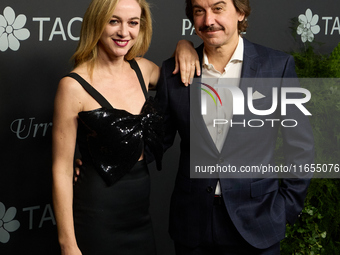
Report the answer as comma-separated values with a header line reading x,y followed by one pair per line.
x,y
37,39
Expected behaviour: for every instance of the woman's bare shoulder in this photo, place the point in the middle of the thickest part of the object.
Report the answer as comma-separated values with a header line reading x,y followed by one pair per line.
x,y
149,69
70,84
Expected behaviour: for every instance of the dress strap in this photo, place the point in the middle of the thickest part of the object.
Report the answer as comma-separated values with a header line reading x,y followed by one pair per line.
x,y
91,90
136,68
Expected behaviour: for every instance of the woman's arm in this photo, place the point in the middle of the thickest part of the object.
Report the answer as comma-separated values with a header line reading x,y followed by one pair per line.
x,y
150,72
187,61
66,108
154,75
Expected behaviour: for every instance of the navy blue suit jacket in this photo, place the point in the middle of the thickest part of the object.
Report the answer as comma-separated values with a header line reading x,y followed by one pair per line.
x,y
258,207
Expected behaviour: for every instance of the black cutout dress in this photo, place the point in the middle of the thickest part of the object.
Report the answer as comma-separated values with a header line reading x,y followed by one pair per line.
x,y
111,196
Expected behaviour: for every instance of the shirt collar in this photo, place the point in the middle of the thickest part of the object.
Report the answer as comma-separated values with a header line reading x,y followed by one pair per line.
x,y
236,57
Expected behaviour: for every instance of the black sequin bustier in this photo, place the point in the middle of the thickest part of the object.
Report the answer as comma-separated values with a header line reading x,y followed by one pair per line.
x,y
114,139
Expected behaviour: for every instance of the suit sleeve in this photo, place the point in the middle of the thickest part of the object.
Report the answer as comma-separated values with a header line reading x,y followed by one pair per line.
x,y
162,96
298,146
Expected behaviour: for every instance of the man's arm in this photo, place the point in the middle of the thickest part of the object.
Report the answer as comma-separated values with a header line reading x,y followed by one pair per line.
x,y
298,145
162,96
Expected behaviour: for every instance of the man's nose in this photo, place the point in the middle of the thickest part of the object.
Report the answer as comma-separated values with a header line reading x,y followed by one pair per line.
x,y
209,19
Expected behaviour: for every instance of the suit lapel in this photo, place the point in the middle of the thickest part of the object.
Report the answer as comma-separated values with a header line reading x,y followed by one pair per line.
x,y
250,69
195,106
250,65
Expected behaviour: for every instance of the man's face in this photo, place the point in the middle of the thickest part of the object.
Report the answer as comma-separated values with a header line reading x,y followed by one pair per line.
x,y
216,21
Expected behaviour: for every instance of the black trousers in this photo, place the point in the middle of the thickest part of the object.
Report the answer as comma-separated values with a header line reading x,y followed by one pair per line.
x,y
224,240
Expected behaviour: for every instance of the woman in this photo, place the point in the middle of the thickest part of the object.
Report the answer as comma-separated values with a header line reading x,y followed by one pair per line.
x,y
106,212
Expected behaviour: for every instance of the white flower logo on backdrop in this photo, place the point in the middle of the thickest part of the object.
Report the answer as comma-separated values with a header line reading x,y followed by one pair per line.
x,y
7,222
11,30
308,27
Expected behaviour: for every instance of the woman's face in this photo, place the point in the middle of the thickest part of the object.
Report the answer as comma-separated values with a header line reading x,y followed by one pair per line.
x,y
122,30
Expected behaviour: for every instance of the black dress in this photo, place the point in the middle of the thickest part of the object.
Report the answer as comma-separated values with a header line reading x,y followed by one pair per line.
x,y
111,196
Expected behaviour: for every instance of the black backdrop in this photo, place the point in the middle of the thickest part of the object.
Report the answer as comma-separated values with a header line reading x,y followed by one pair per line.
x,y
29,74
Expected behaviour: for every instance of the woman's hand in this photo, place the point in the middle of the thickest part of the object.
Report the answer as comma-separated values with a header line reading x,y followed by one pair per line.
x,y
78,164
72,250
186,61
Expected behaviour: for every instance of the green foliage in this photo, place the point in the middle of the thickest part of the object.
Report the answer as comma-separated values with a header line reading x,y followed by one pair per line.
x,y
324,194
312,65
325,107
306,229
317,231
334,58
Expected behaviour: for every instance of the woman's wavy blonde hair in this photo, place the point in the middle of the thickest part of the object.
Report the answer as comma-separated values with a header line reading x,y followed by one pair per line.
x,y
98,14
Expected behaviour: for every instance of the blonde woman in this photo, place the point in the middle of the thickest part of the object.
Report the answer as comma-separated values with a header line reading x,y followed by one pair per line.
x,y
102,105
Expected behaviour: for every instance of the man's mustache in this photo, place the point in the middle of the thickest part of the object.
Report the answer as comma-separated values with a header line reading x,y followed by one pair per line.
x,y
210,28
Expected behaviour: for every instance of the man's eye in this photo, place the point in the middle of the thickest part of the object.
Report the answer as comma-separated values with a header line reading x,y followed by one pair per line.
x,y
218,9
198,12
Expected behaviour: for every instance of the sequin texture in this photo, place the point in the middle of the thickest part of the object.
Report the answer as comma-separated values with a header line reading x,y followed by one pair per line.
x,y
114,139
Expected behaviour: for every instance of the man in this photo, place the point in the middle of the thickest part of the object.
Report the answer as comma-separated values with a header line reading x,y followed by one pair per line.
x,y
228,215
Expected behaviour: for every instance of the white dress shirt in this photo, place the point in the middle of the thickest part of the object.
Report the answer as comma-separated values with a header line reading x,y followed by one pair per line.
x,y
213,77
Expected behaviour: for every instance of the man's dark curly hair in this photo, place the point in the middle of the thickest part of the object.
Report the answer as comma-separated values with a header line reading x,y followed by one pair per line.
x,y
242,6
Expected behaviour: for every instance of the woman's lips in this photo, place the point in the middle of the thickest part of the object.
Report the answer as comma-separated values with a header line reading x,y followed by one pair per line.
x,y
121,43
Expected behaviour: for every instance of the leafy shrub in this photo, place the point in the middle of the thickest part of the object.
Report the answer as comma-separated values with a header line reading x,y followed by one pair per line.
x,y
306,229
317,231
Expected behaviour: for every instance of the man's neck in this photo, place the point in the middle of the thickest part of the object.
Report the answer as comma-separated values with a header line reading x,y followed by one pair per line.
x,y
220,56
